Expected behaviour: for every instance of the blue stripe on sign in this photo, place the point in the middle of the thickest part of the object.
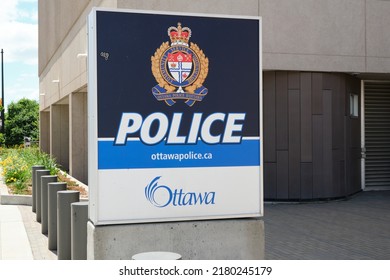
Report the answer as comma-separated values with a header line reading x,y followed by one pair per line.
x,y
135,154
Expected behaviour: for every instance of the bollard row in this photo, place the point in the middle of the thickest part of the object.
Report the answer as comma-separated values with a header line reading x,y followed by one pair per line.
x,y
61,214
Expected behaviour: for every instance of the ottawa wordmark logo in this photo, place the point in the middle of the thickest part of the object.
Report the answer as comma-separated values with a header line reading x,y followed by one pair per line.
x,y
162,196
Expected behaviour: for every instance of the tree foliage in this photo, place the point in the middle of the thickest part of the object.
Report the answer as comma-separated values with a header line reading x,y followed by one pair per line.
x,y
22,119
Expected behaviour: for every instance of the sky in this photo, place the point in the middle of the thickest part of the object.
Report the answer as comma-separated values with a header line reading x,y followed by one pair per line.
x,y
19,41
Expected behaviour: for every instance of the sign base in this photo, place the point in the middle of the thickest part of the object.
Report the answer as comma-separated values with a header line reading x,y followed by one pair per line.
x,y
232,239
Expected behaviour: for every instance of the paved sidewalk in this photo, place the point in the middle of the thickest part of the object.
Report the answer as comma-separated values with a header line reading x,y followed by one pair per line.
x,y
357,228
14,243
20,233
38,241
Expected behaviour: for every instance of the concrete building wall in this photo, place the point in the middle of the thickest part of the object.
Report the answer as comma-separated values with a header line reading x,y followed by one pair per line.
x,y
331,35
63,46
377,36
63,72
306,35
314,35
59,131
44,130
229,7
55,19
78,162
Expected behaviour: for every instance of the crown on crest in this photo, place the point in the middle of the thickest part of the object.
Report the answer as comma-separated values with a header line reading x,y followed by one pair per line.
x,y
179,35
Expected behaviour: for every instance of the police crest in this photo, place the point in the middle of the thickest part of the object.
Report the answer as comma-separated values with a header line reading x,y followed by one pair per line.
x,y
179,69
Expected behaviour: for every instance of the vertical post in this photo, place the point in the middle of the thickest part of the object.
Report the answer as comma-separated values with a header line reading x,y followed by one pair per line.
x,y
34,186
39,175
2,92
52,213
44,200
64,201
79,222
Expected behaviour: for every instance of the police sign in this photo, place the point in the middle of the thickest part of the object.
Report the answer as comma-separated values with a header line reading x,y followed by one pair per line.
x,y
174,108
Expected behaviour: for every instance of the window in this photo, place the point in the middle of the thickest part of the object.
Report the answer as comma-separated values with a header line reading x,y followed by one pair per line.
x,y
353,105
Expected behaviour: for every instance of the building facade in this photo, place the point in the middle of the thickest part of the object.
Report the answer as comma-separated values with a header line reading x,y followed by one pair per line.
x,y
326,88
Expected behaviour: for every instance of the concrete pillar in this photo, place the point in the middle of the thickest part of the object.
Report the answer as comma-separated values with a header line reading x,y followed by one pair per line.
x,y
53,188
78,162
64,201
39,174
34,186
79,221
45,180
44,131
59,134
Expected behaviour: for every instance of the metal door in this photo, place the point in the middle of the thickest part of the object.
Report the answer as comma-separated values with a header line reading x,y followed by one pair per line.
x,y
376,131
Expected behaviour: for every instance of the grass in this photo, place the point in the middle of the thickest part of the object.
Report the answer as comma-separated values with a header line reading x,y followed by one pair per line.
x,y
17,164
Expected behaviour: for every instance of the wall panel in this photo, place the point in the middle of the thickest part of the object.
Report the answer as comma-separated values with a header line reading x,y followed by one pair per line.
x,y
306,112
281,111
317,93
327,143
316,155
294,144
306,180
269,117
270,180
282,172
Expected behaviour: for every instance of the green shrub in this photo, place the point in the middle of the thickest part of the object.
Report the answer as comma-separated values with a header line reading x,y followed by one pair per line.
x,y
2,140
17,165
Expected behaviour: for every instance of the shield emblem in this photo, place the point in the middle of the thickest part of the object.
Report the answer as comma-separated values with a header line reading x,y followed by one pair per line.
x,y
180,66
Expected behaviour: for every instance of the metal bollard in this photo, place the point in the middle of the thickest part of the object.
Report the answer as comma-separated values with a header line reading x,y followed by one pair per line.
x,y
45,180
64,201
34,188
53,188
39,174
79,221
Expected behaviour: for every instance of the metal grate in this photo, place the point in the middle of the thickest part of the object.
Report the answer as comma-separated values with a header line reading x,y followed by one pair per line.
x,y
377,134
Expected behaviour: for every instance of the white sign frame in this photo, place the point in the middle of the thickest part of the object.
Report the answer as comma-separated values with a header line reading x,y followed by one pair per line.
x,y
110,205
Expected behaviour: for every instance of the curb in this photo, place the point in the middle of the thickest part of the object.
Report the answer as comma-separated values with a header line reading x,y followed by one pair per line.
x,y
16,200
9,199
